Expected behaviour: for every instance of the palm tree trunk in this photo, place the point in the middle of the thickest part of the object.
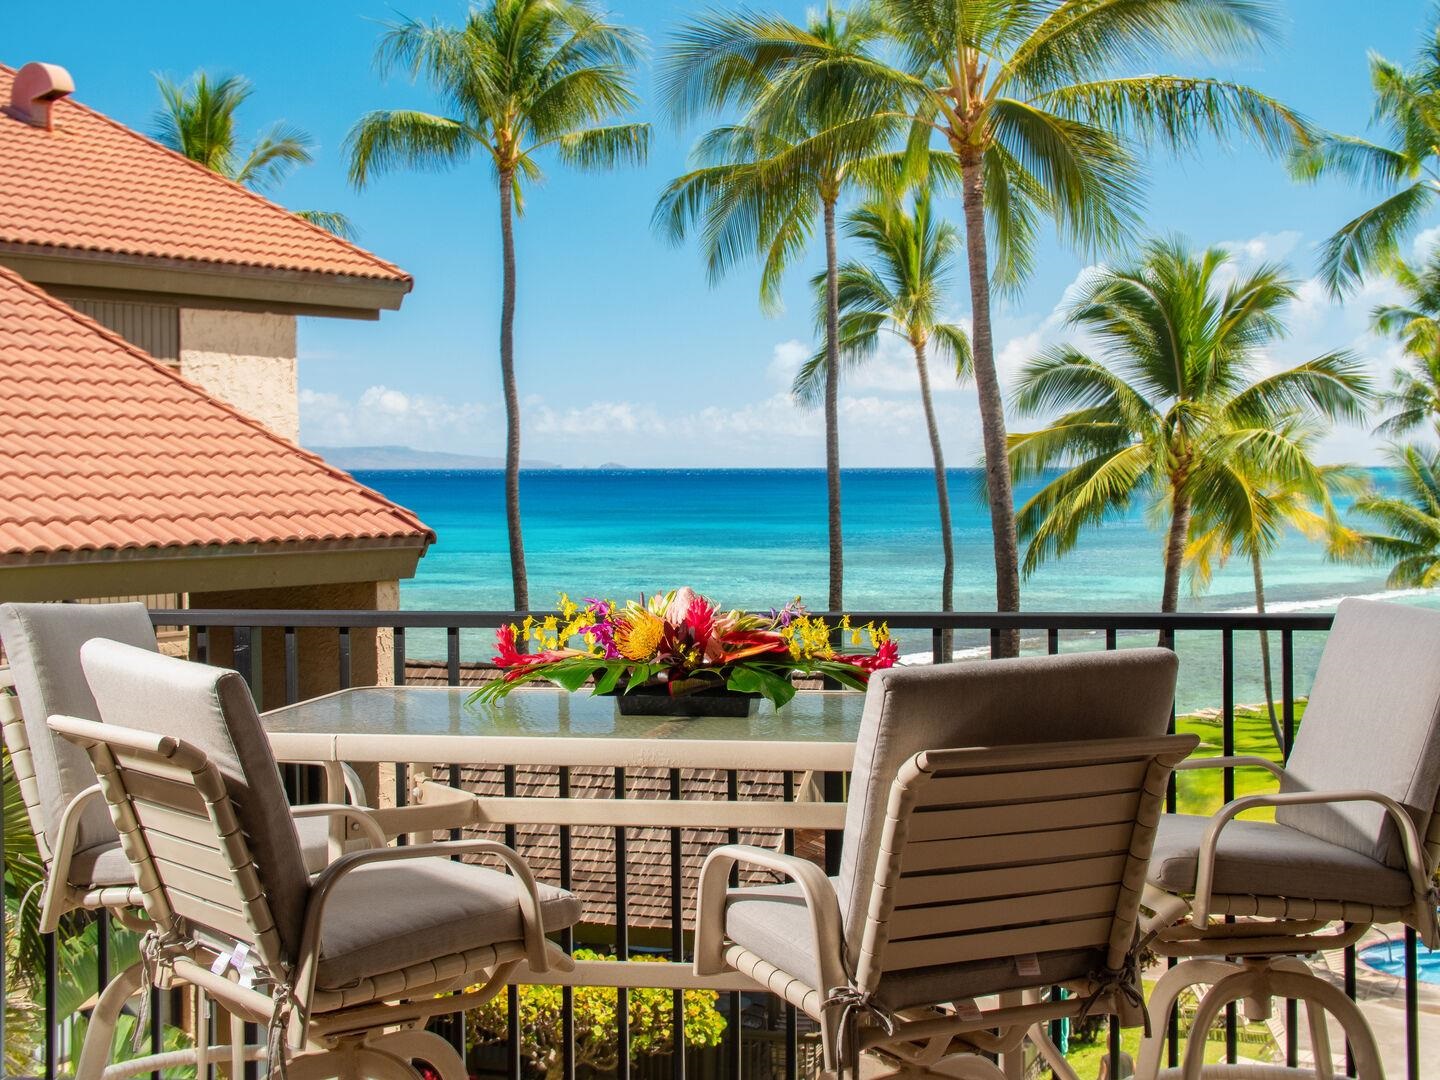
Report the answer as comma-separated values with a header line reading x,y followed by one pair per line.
x,y
992,409
518,577
832,412
1265,650
1175,551
942,496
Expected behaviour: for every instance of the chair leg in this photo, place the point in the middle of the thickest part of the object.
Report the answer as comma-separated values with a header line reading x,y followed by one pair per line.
x,y
1039,1034
1163,997
95,1054
1242,983
1315,991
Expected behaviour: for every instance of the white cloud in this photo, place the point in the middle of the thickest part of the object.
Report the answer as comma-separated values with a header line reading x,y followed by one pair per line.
x,y
1266,247
385,415
1425,243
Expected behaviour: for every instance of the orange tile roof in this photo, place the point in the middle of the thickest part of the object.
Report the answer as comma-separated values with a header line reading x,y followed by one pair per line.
x,y
106,449
94,185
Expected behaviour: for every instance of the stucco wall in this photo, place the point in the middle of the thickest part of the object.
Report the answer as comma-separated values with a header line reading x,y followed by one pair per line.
x,y
245,358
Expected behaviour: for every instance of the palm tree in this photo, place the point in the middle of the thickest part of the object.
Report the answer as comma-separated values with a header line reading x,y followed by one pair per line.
x,y
1414,394
1412,519
1404,166
1170,404
899,288
1254,508
197,119
1024,97
520,77
757,186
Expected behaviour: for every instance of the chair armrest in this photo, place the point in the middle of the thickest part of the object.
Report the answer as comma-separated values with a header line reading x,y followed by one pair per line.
x,y
533,927
354,788
57,881
1415,864
356,815
1233,761
821,903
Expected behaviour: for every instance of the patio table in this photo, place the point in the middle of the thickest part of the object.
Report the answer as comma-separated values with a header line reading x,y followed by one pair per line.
x,y
422,727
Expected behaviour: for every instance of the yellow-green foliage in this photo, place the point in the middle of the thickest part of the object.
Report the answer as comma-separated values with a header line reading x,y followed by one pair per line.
x,y
596,1040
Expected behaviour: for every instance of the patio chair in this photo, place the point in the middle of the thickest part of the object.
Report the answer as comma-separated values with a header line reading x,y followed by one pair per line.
x,y
78,845
1355,841
342,969
999,820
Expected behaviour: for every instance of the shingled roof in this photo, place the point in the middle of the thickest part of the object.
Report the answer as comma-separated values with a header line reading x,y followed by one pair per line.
x,y
92,185
107,451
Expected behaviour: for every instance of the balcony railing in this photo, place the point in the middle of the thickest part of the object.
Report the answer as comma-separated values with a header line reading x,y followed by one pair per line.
x,y
280,651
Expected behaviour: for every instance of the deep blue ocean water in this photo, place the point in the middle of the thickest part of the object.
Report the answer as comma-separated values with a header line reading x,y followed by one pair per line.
x,y
754,538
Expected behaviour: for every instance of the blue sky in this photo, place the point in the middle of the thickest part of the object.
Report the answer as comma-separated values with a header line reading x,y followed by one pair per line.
x,y
625,353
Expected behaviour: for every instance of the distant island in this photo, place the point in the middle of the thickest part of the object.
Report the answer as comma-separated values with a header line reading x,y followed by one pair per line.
x,y
380,458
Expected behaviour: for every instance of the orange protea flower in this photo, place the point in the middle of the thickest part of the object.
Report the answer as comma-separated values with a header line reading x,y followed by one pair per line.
x,y
638,634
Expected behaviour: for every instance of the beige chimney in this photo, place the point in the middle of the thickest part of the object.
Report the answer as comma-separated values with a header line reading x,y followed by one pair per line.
x,y
36,89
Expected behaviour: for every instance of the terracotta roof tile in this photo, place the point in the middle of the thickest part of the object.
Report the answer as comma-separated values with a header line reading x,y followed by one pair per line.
x,y
94,185
106,449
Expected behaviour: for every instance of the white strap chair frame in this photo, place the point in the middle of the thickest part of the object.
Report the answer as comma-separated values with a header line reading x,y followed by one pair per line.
x,y
149,779
942,805
1271,932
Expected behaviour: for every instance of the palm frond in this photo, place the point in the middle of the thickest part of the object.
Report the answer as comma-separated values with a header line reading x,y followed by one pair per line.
x,y
390,139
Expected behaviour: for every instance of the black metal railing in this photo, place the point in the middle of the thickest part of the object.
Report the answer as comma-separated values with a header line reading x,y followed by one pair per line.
x,y
1205,641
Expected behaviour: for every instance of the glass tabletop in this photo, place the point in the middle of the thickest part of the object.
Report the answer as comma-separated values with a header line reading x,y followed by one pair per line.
x,y
545,713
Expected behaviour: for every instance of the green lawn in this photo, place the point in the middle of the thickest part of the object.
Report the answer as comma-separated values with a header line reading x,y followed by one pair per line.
x,y
1201,791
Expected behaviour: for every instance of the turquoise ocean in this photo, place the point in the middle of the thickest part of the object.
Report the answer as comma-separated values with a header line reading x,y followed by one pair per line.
x,y
754,538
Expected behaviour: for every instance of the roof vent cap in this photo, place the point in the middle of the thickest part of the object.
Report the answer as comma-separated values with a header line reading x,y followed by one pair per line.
x,y
36,89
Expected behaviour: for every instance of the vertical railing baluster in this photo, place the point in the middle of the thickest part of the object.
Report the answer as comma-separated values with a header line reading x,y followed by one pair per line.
x,y
792,1020
1287,713
567,942
1350,993
402,769
452,655
1227,692
1110,638
52,982
994,642
292,666
1172,1040
1052,641
201,636
512,992
937,645
622,941
242,658
677,938
343,648
733,1033
1412,1006
832,787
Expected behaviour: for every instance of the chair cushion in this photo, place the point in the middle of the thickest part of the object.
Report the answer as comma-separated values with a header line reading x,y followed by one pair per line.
x,y
42,642
1373,723
211,709
1262,858
101,866
387,916
105,865
771,921
1101,695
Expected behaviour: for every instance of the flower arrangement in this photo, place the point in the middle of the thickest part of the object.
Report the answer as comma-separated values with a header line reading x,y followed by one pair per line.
x,y
681,643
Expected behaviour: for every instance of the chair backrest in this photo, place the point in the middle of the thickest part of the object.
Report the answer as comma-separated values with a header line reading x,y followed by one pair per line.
x,y
1101,695
1372,722
224,857
42,643
993,854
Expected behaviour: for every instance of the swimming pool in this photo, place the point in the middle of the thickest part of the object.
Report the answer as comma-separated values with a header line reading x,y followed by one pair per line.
x,y
1389,957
